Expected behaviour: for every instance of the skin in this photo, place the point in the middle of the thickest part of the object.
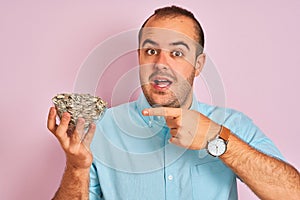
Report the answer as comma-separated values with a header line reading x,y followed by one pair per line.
x,y
268,177
75,181
171,55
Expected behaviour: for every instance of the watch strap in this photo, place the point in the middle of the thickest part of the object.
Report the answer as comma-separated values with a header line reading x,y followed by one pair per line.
x,y
224,133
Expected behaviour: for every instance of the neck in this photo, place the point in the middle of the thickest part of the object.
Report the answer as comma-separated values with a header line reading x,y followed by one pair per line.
x,y
188,101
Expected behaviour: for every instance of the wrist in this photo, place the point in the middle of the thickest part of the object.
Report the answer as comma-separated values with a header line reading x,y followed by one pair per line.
x,y
233,142
213,131
76,171
218,146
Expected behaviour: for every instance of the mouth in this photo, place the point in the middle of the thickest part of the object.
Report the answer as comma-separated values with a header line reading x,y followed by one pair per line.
x,y
161,83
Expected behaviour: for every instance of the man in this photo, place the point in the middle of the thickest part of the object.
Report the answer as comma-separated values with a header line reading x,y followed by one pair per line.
x,y
195,151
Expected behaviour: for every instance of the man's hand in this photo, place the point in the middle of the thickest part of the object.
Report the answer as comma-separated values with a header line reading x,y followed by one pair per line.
x,y
76,146
189,129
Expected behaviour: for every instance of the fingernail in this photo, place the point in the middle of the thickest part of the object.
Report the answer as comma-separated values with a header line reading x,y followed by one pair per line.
x,y
92,125
65,115
80,120
51,111
145,112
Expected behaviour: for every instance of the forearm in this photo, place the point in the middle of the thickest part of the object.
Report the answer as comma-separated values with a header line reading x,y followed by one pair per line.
x,y
74,185
268,177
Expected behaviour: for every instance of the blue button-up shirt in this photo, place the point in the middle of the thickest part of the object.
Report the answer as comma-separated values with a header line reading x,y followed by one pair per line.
x,y
134,160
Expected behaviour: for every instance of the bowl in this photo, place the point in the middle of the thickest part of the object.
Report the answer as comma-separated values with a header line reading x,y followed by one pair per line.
x,y
90,108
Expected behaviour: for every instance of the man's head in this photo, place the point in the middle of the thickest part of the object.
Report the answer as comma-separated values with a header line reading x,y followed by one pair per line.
x,y
170,56
174,11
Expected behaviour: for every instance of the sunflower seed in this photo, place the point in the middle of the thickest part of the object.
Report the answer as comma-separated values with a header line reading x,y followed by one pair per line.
x,y
86,106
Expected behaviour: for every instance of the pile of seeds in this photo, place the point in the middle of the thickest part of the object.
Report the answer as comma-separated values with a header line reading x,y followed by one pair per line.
x,y
86,106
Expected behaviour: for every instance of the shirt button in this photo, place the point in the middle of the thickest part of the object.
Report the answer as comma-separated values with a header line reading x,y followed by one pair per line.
x,y
170,177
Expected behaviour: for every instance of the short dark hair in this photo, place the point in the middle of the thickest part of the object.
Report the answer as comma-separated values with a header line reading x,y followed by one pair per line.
x,y
174,11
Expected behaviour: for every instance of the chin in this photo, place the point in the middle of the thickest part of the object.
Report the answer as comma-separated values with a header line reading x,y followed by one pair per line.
x,y
164,99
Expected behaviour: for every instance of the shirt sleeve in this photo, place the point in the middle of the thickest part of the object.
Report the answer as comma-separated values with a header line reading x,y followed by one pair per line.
x,y
243,127
251,134
94,188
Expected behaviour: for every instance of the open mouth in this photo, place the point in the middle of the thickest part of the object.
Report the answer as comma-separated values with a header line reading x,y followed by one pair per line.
x,y
161,82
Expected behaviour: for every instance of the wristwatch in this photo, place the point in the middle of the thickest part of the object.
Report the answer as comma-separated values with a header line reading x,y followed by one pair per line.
x,y
218,146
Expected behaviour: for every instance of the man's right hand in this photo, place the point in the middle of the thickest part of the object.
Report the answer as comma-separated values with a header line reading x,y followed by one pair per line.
x,y
76,148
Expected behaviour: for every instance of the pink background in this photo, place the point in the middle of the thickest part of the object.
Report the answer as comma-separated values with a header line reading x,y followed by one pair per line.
x,y
254,45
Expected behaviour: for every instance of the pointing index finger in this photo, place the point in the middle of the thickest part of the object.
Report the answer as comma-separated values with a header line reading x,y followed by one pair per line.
x,y
162,111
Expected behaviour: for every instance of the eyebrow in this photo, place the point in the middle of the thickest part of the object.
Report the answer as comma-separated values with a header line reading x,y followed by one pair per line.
x,y
180,43
148,41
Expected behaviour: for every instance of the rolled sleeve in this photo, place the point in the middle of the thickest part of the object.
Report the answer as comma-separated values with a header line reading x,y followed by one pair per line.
x,y
94,188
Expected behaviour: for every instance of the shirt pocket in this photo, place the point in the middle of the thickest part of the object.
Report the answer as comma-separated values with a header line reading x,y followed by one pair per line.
x,y
213,180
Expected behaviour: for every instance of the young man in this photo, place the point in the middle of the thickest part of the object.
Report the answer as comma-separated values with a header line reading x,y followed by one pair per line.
x,y
167,145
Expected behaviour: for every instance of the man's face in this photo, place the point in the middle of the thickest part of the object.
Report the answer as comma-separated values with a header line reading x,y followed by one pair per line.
x,y
168,62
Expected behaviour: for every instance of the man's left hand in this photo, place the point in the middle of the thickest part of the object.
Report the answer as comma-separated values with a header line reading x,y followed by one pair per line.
x,y
188,128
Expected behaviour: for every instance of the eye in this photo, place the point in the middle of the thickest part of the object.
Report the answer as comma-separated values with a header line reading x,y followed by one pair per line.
x,y
151,52
177,53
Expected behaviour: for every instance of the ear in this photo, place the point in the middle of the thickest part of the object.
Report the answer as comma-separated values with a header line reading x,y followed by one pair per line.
x,y
138,51
200,61
139,54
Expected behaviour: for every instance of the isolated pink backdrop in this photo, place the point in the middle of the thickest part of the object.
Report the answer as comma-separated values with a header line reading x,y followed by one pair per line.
x,y
253,44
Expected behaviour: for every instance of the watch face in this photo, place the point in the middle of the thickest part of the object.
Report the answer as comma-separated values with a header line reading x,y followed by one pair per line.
x,y
216,147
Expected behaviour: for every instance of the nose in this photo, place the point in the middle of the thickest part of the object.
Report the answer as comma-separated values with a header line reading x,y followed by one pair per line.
x,y
162,61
